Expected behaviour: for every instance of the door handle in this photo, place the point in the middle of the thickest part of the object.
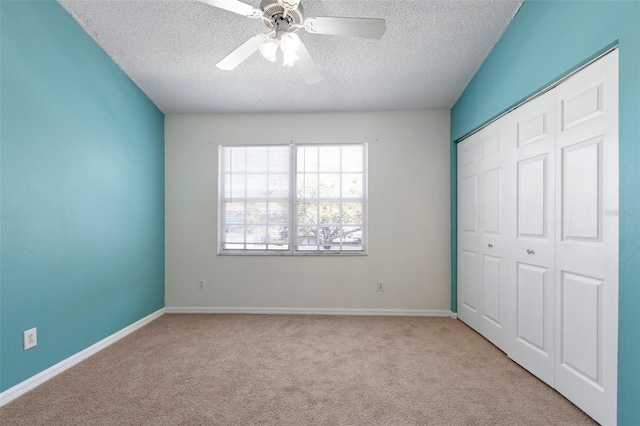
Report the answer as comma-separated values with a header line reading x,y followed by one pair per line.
x,y
490,245
530,251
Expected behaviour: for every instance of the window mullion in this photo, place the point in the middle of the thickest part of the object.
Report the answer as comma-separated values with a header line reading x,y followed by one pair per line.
x,y
293,207
341,227
318,199
246,187
266,219
365,196
222,207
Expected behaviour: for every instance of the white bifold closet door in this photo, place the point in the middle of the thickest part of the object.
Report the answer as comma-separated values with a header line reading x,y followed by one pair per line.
x,y
468,233
531,305
496,224
538,236
586,271
485,223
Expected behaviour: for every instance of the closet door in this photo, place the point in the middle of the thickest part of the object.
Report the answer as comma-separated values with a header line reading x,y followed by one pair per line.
x,y
587,239
468,232
495,213
531,337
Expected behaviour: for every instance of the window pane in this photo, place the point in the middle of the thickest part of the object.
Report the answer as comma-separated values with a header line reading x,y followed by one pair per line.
x,y
251,177
234,234
234,186
352,185
278,185
329,185
307,213
279,160
352,213
330,212
307,185
279,213
228,246
257,159
352,158
237,159
256,185
329,236
256,213
256,235
307,238
352,235
279,235
329,158
234,213
340,175
307,158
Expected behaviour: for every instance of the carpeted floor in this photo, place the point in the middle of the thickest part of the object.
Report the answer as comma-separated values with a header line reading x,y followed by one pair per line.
x,y
296,370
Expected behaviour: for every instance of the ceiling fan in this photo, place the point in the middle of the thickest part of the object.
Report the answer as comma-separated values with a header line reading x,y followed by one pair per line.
x,y
282,19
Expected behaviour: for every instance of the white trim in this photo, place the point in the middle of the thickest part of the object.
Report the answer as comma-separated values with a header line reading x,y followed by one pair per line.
x,y
309,311
453,315
35,381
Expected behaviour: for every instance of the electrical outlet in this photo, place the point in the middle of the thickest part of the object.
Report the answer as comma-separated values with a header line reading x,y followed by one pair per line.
x,y
380,286
201,285
30,338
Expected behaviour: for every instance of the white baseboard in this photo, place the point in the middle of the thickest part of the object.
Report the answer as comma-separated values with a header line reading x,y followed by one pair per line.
x,y
453,315
31,383
309,311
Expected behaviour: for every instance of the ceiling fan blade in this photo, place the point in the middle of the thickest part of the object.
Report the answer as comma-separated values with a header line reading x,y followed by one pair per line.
x,y
350,27
242,52
306,67
235,6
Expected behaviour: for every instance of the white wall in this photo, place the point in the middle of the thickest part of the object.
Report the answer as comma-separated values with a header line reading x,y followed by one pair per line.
x,y
409,218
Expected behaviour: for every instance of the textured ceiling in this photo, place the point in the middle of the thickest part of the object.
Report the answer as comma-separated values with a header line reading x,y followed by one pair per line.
x,y
424,61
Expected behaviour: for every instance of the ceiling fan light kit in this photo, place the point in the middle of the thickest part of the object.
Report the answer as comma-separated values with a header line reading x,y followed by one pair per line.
x,y
270,49
282,19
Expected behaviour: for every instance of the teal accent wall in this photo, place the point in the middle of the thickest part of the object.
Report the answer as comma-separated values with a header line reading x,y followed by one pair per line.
x,y
545,41
82,187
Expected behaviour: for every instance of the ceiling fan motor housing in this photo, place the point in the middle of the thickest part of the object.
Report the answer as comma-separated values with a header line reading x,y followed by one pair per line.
x,y
274,16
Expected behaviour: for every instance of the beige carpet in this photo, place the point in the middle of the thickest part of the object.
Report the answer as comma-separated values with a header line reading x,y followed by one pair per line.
x,y
296,370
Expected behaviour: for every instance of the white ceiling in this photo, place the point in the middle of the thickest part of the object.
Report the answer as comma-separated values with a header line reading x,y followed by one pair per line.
x,y
430,51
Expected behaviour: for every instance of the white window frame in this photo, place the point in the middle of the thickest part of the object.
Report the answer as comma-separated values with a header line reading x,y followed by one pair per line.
x,y
293,200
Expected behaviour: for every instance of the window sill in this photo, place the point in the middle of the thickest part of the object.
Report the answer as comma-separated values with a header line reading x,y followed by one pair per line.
x,y
303,254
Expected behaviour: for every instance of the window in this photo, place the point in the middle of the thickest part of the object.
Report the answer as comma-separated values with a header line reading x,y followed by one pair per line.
x,y
292,199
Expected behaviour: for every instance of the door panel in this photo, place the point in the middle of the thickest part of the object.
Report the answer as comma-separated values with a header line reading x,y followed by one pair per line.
x,y
468,204
581,206
532,281
469,294
581,344
532,294
583,105
491,294
496,227
533,127
491,181
532,197
587,243
490,147
470,287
